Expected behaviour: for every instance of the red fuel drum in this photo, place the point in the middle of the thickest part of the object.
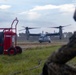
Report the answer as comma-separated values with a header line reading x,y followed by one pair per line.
x,y
8,42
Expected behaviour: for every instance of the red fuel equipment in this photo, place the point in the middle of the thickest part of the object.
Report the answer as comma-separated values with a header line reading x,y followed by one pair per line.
x,y
8,40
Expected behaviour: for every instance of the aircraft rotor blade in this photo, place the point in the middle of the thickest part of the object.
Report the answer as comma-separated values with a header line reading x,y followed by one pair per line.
x,y
66,25
23,26
60,26
32,28
54,27
29,27
21,29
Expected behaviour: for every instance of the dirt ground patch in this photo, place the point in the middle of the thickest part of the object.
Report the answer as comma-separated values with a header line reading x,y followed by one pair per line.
x,y
36,44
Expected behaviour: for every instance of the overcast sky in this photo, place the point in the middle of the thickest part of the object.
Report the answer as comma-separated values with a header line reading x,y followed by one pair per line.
x,y
38,13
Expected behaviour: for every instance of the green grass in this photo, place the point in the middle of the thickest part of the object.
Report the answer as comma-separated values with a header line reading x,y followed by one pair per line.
x,y
24,64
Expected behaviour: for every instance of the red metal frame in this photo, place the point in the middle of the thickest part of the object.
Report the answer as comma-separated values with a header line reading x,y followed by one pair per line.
x,y
11,31
15,29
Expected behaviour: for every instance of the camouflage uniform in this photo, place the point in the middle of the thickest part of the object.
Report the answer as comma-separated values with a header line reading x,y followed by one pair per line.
x,y
56,63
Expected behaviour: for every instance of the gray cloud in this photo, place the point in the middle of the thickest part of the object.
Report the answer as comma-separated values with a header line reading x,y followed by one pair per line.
x,y
37,15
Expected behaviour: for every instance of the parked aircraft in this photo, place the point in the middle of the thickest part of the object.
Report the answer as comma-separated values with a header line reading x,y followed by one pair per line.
x,y
28,34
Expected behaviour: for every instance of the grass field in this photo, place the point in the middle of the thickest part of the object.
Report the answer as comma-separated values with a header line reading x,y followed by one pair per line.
x,y
27,63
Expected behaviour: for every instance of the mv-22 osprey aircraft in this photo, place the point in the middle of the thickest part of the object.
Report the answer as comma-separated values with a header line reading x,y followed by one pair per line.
x,y
28,34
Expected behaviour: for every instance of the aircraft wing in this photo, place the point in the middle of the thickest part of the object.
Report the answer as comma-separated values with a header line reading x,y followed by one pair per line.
x,y
49,34
52,34
34,34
